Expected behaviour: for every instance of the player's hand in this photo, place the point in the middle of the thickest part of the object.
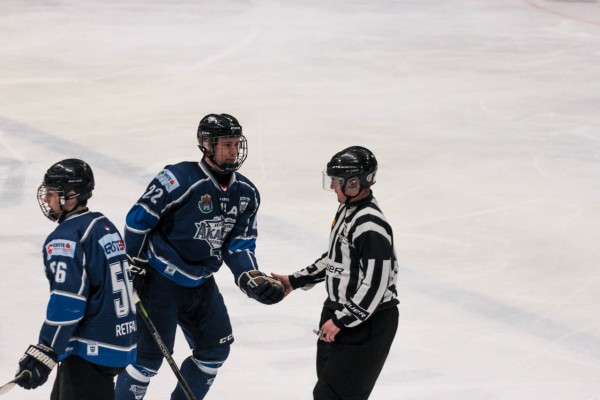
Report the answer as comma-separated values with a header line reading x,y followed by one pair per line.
x,y
328,331
285,279
261,287
39,360
138,268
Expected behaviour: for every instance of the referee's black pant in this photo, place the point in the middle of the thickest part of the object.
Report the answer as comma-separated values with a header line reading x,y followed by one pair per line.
x,y
348,368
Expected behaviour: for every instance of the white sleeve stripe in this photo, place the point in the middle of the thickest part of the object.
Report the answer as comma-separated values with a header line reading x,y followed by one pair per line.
x,y
139,231
83,276
62,323
89,228
370,210
370,226
77,296
383,283
367,283
56,336
148,210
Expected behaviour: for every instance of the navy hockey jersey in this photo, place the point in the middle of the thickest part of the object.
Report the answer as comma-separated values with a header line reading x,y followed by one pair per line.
x,y
186,224
90,312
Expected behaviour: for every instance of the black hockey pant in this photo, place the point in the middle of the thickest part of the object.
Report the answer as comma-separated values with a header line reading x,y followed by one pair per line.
x,y
348,368
77,379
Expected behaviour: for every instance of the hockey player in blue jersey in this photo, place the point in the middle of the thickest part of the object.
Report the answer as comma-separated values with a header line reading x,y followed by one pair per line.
x,y
193,217
90,326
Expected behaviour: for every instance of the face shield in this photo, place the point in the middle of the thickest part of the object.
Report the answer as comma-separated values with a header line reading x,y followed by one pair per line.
x,y
331,182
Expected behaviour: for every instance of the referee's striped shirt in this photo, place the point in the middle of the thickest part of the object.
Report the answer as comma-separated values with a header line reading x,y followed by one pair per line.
x,y
360,267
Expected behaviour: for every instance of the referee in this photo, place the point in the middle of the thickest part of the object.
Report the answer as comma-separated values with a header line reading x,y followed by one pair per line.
x,y
360,315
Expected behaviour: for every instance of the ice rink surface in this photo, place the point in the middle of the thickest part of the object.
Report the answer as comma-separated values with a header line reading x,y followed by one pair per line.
x,y
483,114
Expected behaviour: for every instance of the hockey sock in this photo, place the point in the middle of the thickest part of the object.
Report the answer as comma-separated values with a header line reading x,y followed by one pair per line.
x,y
133,383
199,375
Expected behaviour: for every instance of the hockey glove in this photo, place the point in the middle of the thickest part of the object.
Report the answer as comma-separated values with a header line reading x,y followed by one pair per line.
x,y
39,361
138,271
261,287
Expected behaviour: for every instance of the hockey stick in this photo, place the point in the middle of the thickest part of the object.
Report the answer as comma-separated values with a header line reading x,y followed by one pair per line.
x,y
163,347
8,386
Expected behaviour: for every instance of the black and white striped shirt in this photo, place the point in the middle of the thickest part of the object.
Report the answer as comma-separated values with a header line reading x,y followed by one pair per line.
x,y
360,267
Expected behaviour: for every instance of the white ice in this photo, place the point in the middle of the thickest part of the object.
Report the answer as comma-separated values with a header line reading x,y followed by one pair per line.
x,y
484,115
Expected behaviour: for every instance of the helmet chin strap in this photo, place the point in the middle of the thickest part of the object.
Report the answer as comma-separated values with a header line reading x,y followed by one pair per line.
x,y
348,197
65,213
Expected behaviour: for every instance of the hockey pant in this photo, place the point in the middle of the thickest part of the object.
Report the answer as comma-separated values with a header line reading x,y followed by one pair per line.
x,y
348,368
78,379
202,316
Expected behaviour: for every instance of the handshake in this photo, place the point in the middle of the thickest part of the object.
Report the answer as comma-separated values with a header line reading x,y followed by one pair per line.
x,y
262,288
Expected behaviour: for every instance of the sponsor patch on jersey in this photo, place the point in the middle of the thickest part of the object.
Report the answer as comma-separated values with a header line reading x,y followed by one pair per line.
x,y
205,204
60,247
112,244
168,180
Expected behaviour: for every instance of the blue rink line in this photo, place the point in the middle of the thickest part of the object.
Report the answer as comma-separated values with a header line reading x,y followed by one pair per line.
x,y
71,149
581,343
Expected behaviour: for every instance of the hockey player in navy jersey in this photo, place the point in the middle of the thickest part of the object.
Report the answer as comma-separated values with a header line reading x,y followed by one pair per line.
x,y
90,326
193,217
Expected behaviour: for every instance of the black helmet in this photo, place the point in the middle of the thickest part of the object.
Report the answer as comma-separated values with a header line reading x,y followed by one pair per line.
x,y
353,162
66,176
215,126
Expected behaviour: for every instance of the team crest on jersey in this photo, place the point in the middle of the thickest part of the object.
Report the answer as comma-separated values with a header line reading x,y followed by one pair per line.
x,y
60,247
213,232
92,349
168,180
205,204
244,203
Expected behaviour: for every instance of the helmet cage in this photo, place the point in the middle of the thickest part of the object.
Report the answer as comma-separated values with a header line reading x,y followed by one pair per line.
x,y
42,194
213,142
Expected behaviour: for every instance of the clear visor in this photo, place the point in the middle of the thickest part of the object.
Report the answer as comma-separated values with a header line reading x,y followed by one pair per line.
x,y
331,182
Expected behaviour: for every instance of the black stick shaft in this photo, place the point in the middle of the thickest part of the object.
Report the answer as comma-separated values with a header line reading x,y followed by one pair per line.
x,y
163,347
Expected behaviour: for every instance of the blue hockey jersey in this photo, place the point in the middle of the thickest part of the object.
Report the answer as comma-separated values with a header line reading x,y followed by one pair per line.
x,y
90,312
186,224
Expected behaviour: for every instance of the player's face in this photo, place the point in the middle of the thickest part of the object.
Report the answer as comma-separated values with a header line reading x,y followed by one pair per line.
x,y
226,150
52,199
351,189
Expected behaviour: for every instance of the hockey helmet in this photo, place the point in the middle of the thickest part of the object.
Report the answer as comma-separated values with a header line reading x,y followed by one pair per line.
x,y
216,126
351,166
70,178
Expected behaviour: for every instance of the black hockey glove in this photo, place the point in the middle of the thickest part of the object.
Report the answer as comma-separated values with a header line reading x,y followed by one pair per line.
x,y
138,269
261,287
39,361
